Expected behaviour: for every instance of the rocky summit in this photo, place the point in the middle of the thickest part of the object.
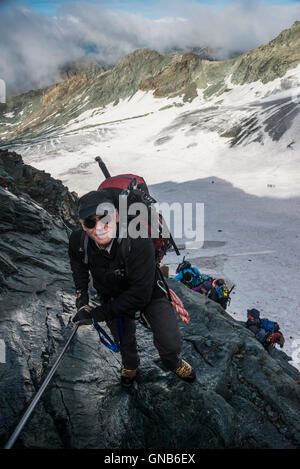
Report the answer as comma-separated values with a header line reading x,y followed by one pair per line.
x,y
243,396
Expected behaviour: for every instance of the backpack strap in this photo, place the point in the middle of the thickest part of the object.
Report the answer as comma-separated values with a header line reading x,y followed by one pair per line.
x,y
83,244
192,268
84,240
125,251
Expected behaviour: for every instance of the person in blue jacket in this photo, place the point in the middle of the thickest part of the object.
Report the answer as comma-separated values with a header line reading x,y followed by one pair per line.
x,y
188,275
266,332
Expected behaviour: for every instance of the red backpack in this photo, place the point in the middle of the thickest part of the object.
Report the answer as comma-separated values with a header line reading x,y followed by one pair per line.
x,y
135,189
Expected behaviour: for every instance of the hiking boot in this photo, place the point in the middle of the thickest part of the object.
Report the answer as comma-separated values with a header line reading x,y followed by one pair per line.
x,y
128,377
185,372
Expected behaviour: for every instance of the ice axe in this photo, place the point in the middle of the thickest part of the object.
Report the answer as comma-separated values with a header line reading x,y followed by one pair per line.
x,y
103,167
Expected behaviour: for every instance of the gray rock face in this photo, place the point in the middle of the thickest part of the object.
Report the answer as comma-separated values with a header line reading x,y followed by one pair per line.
x,y
81,67
50,193
243,397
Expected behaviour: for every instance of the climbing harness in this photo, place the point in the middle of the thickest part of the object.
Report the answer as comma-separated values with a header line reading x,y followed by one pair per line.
x,y
104,337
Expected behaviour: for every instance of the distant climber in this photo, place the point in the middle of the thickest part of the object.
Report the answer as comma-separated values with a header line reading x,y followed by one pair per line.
x,y
125,276
266,332
214,289
188,275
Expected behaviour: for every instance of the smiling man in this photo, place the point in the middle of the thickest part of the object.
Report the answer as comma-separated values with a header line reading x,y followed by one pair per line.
x,y
125,276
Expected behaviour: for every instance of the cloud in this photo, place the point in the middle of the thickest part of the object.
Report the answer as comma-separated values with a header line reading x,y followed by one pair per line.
x,y
34,46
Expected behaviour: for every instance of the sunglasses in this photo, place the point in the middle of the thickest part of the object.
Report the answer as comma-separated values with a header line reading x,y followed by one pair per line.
x,y
90,222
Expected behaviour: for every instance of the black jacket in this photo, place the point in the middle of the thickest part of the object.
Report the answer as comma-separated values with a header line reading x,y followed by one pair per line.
x,y
125,278
255,327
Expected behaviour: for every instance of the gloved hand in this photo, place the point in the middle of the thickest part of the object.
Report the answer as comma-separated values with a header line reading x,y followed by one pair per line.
x,y
86,315
82,299
99,314
83,316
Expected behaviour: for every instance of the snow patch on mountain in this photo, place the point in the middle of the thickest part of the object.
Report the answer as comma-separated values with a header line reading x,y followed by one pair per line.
x,y
159,136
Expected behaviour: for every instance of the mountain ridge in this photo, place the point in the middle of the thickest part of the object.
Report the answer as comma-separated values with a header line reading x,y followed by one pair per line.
x,y
168,75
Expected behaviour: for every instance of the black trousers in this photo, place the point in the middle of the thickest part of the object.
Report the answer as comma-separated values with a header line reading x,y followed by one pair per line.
x,y
163,321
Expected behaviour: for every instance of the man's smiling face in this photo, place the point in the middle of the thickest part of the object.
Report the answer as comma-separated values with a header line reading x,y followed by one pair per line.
x,y
101,228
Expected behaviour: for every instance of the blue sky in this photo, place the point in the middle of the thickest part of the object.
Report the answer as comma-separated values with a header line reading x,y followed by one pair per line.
x,y
147,8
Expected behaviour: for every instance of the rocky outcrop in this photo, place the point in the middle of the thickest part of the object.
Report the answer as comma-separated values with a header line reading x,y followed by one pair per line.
x,y
81,67
174,79
269,61
204,53
243,397
49,193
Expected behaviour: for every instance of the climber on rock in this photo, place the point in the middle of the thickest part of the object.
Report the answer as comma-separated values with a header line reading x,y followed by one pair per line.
x,y
267,332
125,277
187,274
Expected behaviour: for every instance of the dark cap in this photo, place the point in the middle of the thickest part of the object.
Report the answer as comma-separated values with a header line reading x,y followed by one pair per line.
x,y
187,275
95,202
220,281
254,313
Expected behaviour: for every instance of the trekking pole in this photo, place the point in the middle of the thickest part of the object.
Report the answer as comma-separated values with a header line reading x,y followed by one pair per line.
x,y
231,289
38,395
103,167
174,245
171,237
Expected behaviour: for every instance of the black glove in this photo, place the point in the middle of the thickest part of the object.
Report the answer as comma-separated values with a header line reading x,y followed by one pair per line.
x,y
87,315
99,314
82,299
83,316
